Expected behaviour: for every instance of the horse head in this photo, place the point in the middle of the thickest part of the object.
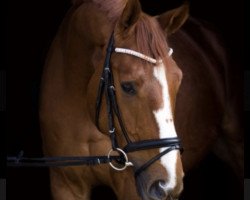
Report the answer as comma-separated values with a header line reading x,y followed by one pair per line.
x,y
144,80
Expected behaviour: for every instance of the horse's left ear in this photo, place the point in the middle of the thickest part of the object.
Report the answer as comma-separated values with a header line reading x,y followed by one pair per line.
x,y
130,14
172,20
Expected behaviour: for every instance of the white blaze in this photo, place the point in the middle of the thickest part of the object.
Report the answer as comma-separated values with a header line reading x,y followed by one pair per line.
x,y
164,119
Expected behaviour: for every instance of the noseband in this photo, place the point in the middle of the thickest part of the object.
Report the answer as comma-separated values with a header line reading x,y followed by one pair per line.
x,y
107,89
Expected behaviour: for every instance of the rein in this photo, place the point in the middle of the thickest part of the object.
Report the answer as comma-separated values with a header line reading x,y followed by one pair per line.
x,y
107,89
59,161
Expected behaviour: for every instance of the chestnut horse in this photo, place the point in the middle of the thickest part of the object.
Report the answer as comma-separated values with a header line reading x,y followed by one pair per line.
x,y
77,118
77,114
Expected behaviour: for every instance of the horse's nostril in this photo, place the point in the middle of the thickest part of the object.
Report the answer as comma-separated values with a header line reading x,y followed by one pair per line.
x,y
156,190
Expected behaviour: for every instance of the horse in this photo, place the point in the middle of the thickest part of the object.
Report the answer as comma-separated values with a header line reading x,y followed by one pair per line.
x,y
125,107
154,89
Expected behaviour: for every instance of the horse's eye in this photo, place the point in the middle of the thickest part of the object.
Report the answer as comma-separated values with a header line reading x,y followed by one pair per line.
x,y
128,87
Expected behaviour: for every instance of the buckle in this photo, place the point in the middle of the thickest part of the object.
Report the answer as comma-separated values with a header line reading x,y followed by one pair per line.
x,y
126,163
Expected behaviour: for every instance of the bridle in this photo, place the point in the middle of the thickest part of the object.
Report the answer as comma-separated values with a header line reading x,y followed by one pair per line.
x,y
107,89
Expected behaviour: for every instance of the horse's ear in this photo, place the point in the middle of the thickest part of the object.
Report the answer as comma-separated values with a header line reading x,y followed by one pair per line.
x,y
129,15
172,20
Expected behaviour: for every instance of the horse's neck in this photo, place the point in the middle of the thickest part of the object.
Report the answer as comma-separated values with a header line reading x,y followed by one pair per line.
x,y
67,72
69,64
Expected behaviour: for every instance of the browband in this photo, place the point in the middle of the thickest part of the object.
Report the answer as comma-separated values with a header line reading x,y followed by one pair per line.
x,y
140,55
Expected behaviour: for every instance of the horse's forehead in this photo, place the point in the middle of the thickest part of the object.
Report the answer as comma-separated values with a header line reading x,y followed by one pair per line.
x,y
130,65
133,68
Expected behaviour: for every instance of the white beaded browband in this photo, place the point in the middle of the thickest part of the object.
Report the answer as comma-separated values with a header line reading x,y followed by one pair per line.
x,y
140,55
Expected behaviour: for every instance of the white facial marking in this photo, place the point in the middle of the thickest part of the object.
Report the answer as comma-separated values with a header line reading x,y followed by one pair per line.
x,y
164,119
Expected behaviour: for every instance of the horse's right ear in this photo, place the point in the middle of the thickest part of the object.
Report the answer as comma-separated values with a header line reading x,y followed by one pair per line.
x,y
172,20
130,15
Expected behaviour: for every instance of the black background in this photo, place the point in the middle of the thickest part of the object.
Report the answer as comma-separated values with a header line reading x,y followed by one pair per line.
x,y
28,29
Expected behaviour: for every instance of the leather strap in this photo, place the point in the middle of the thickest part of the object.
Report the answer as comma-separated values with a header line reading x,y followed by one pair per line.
x,y
151,144
60,161
157,157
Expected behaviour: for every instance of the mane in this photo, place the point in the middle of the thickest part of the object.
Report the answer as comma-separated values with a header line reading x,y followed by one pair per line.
x,y
147,29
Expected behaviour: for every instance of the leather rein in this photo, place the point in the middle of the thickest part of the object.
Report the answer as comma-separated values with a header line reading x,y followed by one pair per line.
x,y
106,89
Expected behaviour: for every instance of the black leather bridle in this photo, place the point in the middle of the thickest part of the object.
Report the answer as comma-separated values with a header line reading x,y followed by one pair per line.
x,y
107,88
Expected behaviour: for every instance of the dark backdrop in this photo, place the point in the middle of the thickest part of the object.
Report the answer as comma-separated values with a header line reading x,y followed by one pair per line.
x,y
28,31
